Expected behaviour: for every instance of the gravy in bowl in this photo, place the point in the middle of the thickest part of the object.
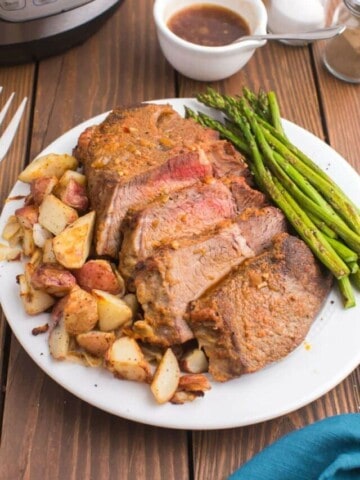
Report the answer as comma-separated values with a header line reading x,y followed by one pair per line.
x,y
208,25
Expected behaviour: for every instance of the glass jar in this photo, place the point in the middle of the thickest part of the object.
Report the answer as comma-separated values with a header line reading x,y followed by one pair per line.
x,y
342,53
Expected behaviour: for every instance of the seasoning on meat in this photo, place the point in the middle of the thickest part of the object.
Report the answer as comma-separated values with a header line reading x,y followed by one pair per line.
x,y
262,310
138,153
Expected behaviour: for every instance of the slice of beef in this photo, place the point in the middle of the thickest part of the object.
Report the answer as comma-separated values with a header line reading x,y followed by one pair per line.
x,y
184,213
226,160
174,275
129,143
187,212
176,173
244,195
125,143
262,310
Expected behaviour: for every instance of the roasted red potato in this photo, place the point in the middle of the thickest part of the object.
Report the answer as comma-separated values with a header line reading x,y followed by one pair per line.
x,y
99,275
125,359
27,216
190,387
95,342
34,301
52,279
113,311
49,165
78,309
59,338
166,378
72,246
54,215
74,195
194,361
40,187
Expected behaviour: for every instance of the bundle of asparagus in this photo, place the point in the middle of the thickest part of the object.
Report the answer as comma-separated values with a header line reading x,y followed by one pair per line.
x,y
320,212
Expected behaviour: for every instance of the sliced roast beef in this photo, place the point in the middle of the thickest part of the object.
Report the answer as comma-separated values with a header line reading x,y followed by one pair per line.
x,y
262,310
120,152
226,160
176,173
244,195
174,275
187,212
183,213
125,143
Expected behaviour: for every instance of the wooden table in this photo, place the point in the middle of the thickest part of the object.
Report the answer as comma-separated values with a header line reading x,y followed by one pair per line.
x,y
47,433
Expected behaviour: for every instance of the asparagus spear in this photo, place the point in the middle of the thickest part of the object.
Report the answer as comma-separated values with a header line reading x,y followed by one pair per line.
x,y
334,195
251,98
303,183
328,216
355,278
354,267
212,99
275,113
348,255
263,108
209,122
346,292
322,225
315,239
303,225
299,173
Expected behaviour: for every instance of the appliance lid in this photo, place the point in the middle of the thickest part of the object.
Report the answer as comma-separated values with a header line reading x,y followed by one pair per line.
x,y
42,37
49,26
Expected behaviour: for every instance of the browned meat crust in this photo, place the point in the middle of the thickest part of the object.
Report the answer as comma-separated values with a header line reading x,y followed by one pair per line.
x,y
129,144
174,275
262,310
186,212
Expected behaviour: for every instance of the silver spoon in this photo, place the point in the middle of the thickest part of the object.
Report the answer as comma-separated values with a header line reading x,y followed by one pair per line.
x,y
321,34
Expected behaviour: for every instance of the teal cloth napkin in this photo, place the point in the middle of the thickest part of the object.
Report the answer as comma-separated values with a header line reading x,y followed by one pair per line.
x,y
326,450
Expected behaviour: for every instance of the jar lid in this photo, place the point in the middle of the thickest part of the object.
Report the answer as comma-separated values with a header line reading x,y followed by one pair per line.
x,y
353,6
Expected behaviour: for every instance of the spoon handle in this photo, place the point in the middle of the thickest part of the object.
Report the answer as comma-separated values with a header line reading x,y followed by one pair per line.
x,y
321,34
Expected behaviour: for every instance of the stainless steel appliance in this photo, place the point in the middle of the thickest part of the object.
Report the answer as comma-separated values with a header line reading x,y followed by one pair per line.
x,y
33,29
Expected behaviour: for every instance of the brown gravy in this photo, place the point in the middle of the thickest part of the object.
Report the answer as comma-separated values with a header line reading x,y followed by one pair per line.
x,y
208,25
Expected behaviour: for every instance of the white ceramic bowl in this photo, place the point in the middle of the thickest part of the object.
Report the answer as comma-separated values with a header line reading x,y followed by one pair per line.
x,y
209,63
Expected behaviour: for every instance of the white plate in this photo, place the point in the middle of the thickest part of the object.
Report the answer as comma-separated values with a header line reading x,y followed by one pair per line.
x,y
331,350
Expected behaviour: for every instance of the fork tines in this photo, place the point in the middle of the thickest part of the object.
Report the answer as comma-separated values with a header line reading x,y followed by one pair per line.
x,y
9,133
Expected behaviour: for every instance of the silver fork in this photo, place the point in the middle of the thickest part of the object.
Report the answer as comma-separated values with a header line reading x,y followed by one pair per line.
x,y
9,133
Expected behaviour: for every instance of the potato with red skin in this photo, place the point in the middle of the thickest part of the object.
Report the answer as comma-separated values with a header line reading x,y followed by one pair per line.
x,y
126,360
59,339
27,242
99,275
34,301
55,215
190,387
52,279
194,361
72,246
74,195
166,378
48,252
40,187
49,165
78,310
95,342
27,216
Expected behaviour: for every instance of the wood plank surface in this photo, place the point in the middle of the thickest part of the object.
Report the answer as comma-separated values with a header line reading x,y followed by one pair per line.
x,y
289,72
341,109
47,432
19,80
